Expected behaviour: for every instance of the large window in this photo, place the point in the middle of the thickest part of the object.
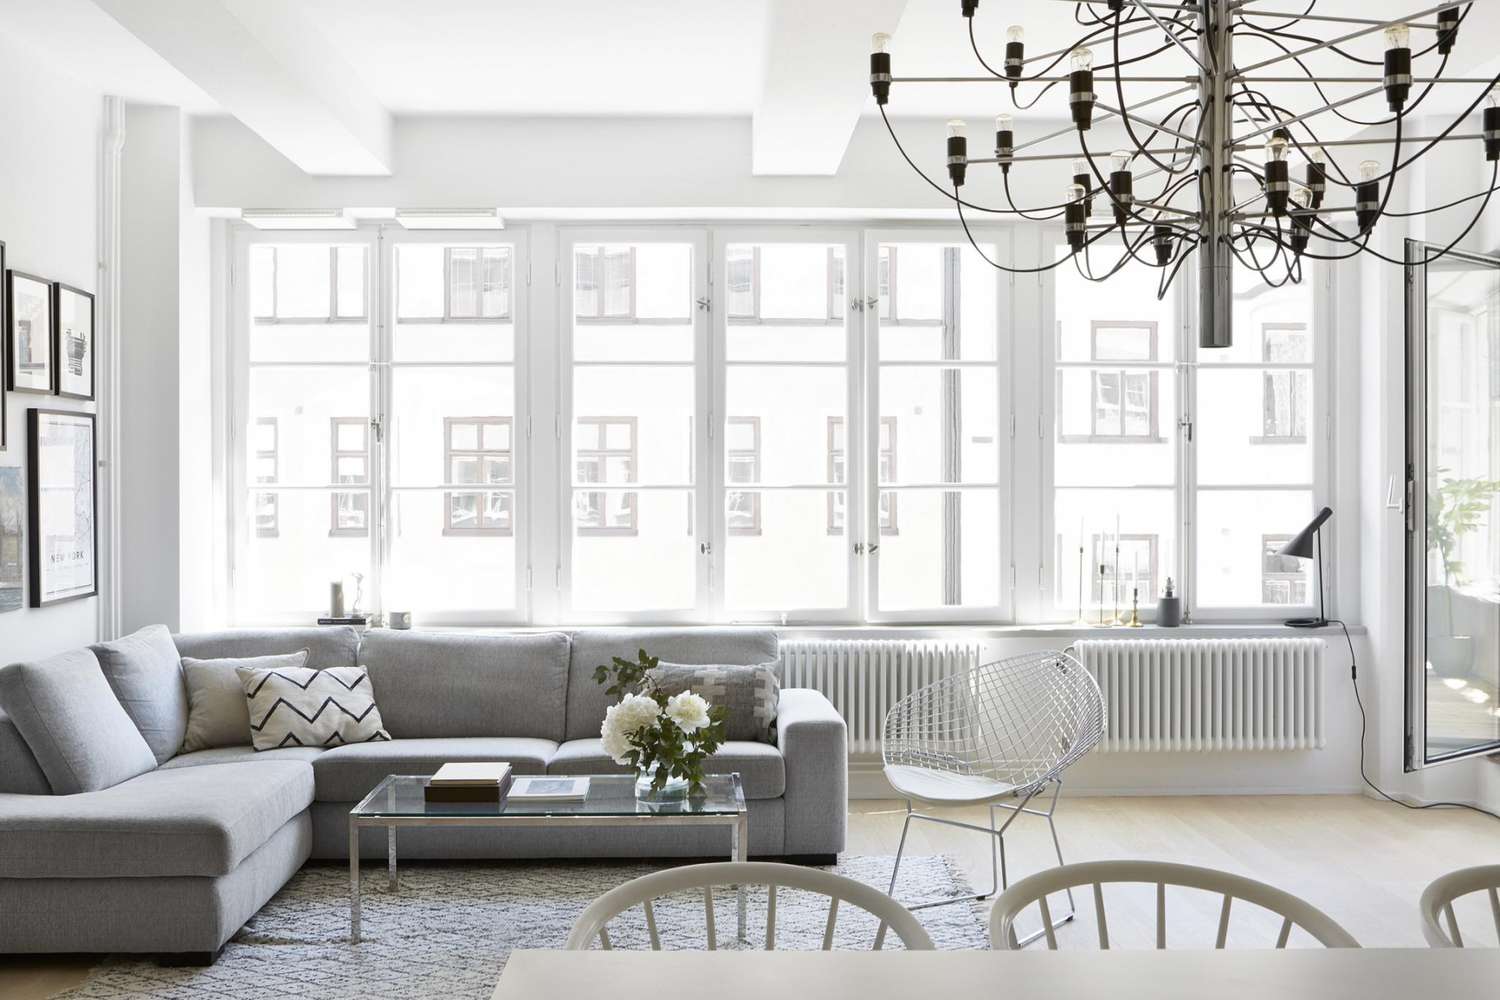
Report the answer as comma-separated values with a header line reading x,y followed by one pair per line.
x,y
783,423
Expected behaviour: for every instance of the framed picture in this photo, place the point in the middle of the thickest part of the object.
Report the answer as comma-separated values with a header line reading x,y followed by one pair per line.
x,y
28,333
4,430
12,511
64,543
73,347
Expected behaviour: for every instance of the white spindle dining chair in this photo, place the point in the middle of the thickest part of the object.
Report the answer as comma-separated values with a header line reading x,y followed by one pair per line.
x,y
593,923
1035,889
1437,903
994,736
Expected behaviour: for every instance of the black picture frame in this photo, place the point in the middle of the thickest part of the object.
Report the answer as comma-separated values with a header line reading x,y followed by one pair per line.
x,y
12,367
4,365
62,350
36,476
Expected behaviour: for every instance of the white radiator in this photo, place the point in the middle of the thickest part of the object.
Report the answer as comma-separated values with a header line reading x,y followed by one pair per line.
x,y
1208,694
865,677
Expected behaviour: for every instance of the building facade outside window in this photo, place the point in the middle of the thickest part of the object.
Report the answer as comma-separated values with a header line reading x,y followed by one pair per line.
x,y
607,454
350,450
478,452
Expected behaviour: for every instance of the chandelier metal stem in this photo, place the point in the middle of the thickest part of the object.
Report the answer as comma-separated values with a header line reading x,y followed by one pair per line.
x,y
1216,114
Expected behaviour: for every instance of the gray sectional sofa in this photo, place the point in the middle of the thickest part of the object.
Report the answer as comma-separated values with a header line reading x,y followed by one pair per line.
x,y
174,860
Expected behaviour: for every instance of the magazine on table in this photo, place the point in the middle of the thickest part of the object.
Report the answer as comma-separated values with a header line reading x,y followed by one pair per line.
x,y
550,789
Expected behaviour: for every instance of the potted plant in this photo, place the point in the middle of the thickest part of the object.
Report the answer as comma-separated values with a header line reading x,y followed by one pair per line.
x,y
664,737
1455,507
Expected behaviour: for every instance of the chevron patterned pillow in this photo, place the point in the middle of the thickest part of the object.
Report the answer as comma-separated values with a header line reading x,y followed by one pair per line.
x,y
302,707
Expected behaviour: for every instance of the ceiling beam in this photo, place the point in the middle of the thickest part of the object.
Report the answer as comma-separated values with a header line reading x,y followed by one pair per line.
x,y
815,82
266,65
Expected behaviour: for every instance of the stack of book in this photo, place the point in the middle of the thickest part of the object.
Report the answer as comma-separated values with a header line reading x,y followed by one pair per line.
x,y
473,781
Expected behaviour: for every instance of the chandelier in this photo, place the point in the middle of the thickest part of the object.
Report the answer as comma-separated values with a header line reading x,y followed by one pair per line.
x,y
1213,174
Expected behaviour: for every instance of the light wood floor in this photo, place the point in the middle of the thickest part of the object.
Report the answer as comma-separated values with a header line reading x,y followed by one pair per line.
x,y
1361,861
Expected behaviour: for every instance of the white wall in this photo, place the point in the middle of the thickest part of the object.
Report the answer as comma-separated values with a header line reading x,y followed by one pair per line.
x,y
49,221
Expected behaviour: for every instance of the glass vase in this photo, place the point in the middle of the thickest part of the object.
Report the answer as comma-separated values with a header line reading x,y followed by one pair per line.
x,y
676,787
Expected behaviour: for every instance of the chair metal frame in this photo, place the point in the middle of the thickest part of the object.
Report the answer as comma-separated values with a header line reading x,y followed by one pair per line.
x,y
1293,910
1015,723
593,923
1437,903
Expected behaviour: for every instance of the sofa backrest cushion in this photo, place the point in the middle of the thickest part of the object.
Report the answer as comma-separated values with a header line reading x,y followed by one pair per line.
x,y
440,684
592,647
333,646
145,674
73,723
20,774
218,713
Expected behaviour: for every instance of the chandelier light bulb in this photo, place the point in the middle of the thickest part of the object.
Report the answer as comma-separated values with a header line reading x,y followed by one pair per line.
x,y
1076,192
879,41
1369,170
1015,33
1318,156
1398,36
1276,149
958,151
956,128
1003,122
1119,160
1493,100
1081,60
1080,167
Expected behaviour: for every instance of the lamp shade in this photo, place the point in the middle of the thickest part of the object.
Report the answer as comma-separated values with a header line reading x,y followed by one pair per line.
x,y
1301,544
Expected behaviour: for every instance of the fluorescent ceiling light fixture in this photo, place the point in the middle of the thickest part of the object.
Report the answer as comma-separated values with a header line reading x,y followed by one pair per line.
x,y
450,218
297,218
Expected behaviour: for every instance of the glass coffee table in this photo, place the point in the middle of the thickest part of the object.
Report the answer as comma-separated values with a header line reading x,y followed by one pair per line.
x,y
400,800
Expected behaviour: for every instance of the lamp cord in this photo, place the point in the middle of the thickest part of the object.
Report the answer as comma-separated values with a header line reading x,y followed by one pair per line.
x,y
1363,725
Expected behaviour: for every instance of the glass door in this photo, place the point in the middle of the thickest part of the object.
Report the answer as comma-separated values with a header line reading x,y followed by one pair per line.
x,y
1453,505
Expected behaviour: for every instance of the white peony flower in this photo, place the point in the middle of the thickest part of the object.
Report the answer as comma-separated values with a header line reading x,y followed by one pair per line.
x,y
688,710
634,713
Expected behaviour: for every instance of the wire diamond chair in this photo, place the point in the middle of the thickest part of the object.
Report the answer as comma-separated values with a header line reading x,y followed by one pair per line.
x,y
997,735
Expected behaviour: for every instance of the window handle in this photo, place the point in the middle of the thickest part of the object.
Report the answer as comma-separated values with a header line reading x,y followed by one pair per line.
x,y
703,304
1392,502
705,548
1187,427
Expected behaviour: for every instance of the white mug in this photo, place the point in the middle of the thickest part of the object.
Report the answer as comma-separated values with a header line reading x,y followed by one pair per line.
x,y
401,619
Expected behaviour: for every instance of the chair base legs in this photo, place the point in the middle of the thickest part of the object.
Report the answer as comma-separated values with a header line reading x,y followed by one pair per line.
x,y
1000,876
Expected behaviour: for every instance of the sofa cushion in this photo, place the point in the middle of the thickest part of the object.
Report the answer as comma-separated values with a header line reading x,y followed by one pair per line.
x,y
197,821
435,684
234,755
218,713
80,735
592,647
19,771
333,646
298,706
762,771
346,774
749,692
144,672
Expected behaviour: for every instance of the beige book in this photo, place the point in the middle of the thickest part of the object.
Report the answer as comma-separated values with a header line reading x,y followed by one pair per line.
x,y
472,773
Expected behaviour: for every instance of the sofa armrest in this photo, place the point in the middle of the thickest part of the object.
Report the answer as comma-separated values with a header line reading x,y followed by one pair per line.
x,y
814,743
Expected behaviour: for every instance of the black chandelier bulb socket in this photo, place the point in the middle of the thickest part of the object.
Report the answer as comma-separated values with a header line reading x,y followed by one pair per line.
x,y
1015,58
1397,77
1087,183
880,76
1278,187
1075,224
969,7
1081,98
1005,147
1492,134
1447,30
1299,237
1122,190
1317,182
958,159
1366,204
1117,5
1161,242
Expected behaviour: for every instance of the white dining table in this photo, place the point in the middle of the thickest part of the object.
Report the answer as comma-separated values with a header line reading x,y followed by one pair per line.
x,y
1297,974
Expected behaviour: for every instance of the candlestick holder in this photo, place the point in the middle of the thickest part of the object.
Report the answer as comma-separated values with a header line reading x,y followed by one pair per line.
x,y
1135,608
1102,622
1118,620
1081,619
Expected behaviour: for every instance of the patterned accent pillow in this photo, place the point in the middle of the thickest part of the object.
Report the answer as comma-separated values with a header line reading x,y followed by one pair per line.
x,y
302,707
752,694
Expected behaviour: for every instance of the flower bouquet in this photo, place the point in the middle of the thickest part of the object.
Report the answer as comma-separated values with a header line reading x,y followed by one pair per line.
x,y
664,737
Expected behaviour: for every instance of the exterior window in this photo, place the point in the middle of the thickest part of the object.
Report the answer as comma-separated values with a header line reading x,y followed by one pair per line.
x,y
1124,401
785,284
836,472
351,465
267,463
1282,580
1284,391
478,451
607,453
909,297
1137,568
308,283
742,458
604,285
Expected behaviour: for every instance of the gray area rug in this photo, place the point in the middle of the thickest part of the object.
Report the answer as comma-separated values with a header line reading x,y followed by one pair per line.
x,y
449,928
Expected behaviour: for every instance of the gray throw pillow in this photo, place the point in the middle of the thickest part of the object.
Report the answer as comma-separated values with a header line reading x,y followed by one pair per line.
x,y
81,737
301,707
218,713
144,672
751,693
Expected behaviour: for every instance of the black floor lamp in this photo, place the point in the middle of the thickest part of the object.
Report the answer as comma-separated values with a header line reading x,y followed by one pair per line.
x,y
1303,545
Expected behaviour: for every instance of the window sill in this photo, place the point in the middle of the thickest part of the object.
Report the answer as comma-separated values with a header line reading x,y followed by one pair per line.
x,y
1223,630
